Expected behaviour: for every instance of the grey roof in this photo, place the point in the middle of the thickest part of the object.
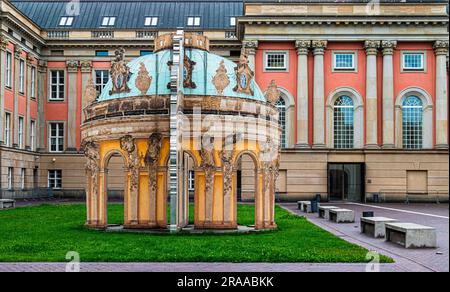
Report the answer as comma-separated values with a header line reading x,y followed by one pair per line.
x,y
215,14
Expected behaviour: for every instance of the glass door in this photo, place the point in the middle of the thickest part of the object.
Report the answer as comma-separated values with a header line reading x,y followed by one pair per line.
x,y
346,182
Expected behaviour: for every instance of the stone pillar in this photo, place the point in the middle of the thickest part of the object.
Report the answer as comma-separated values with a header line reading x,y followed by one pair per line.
x,y
441,51
86,75
251,46
72,72
3,44
302,93
319,93
15,119
41,100
388,93
371,94
30,60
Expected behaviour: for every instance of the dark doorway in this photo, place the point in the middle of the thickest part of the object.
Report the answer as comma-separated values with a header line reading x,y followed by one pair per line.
x,y
346,182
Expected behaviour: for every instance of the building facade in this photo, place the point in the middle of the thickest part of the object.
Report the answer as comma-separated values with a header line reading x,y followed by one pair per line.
x,y
364,105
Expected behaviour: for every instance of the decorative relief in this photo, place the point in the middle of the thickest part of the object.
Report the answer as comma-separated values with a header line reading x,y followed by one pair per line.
x,y
194,40
30,59
388,47
210,103
319,47
272,93
302,47
143,80
128,144
250,46
371,47
163,42
3,42
441,47
91,151
86,66
188,69
244,75
227,162
90,92
17,51
208,164
72,66
151,160
120,73
221,80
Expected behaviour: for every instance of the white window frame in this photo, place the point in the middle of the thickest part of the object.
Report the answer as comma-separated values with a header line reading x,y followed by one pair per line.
x,y
102,84
7,129
10,178
151,21
57,137
58,85
66,21
52,175
273,69
33,83
33,135
345,69
8,70
191,181
411,69
23,173
21,76
233,21
194,21
20,133
109,21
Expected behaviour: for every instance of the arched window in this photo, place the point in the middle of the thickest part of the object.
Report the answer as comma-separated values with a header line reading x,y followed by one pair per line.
x,y
344,123
281,105
412,112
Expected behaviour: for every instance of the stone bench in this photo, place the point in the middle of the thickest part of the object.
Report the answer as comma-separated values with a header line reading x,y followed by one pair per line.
x,y
7,204
305,206
410,235
342,215
375,226
324,211
300,204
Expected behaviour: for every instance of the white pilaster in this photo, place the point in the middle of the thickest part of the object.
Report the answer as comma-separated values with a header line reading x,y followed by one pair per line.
x,y
319,93
388,93
441,51
302,93
371,94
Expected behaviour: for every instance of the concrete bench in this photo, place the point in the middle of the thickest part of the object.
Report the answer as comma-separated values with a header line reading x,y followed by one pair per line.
x,y
342,215
7,204
324,211
300,204
410,235
375,226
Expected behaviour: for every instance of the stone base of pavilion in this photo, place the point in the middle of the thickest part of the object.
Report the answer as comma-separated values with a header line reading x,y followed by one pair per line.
x,y
190,229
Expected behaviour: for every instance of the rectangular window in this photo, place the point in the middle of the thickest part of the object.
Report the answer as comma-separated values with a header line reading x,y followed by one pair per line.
x,y
193,21
55,179
101,79
151,21
146,53
33,136
8,76
23,173
344,62
7,129
57,85
232,21
109,21
191,180
20,142
33,83
56,137
66,21
101,53
413,61
10,178
276,61
22,76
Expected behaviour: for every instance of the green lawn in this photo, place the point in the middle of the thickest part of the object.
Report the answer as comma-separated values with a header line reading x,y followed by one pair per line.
x,y
46,233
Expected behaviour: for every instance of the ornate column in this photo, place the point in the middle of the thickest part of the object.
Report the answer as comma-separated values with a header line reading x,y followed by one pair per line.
x,y
30,60
371,94
17,54
441,51
251,46
86,76
41,99
3,45
388,93
319,93
302,93
72,72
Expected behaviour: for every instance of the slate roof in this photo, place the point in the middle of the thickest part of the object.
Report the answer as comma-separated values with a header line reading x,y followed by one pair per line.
x,y
130,14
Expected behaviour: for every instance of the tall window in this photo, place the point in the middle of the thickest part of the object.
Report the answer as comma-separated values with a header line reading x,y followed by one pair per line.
x,y
33,136
7,129
22,76
57,85
20,142
191,180
413,123
23,172
101,79
8,76
344,123
55,179
10,178
33,82
281,105
56,137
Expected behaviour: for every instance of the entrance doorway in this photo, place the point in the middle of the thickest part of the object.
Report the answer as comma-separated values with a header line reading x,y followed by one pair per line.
x,y
346,182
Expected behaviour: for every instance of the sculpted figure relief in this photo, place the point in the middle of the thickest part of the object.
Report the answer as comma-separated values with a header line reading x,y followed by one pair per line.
x,y
91,152
127,144
227,162
144,80
221,80
120,73
244,75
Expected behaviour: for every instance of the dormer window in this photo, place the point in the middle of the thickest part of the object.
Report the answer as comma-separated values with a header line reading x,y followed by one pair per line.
x,y
66,21
109,21
193,21
151,21
232,21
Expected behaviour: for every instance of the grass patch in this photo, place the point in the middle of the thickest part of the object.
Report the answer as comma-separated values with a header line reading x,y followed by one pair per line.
x,y
46,233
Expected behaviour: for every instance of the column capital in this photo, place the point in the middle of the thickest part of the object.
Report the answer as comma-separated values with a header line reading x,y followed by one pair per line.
x,y
86,66
72,66
371,47
302,46
319,46
250,46
30,59
42,66
441,47
388,47
3,42
17,51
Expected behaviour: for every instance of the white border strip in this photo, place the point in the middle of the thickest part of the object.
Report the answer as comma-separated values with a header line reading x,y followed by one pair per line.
x,y
400,210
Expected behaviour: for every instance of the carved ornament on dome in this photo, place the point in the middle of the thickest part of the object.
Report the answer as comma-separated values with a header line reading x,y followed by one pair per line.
x,y
120,73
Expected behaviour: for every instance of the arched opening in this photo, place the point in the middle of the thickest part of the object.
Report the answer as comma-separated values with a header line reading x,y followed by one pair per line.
x,y
412,123
286,106
247,189
115,184
281,105
343,123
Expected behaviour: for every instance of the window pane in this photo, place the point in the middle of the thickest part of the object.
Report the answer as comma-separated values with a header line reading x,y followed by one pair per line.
x,y
343,123
412,123
281,105
276,61
413,61
344,61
